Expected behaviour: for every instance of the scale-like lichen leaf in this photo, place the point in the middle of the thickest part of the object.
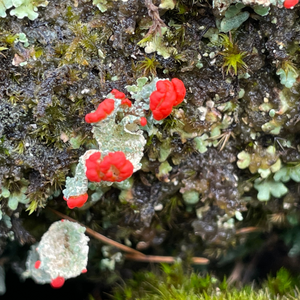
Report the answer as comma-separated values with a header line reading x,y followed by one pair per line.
x,y
4,5
27,8
268,187
77,185
287,173
101,4
62,251
287,78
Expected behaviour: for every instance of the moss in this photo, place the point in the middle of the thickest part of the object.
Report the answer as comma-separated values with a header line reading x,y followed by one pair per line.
x,y
233,57
171,282
148,66
86,43
79,54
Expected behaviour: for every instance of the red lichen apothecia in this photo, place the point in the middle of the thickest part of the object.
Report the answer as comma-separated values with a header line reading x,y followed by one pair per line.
x,y
58,282
167,95
290,3
104,109
114,167
76,201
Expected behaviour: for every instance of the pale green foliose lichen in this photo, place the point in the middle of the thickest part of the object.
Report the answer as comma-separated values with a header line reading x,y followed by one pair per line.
x,y
167,4
261,10
110,260
119,131
201,142
77,185
234,18
287,173
222,5
101,4
124,136
165,150
156,44
269,187
21,37
261,161
142,91
191,197
272,127
287,78
62,251
22,8
15,197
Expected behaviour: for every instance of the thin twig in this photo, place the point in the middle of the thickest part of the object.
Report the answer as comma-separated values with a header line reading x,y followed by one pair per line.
x,y
157,22
99,236
164,259
248,230
131,253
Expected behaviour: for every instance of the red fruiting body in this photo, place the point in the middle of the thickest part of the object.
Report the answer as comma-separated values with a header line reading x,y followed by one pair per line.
x,y
104,109
84,271
92,167
118,94
143,121
161,100
126,102
115,167
167,95
179,89
58,282
37,264
290,3
76,201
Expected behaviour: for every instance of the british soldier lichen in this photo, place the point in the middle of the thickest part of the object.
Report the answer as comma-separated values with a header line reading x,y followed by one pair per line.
x,y
116,125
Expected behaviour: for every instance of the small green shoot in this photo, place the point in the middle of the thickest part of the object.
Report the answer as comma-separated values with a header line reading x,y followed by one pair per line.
x,y
148,66
1,49
233,57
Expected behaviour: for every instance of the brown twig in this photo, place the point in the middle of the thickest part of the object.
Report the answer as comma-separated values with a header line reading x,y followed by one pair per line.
x,y
154,14
248,230
131,254
99,236
164,259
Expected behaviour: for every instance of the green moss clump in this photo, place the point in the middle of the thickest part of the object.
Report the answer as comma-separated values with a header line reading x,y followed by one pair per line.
x,y
173,283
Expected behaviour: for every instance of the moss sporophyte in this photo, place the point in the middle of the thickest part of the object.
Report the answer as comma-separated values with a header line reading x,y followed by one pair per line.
x,y
116,125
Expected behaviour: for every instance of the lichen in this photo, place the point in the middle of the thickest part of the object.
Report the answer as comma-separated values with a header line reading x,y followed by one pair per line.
x,y
62,251
22,8
223,5
213,146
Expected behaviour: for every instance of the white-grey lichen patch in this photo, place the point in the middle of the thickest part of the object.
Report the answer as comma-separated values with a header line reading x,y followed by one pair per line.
x,y
119,131
222,5
124,136
78,184
37,274
62,251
